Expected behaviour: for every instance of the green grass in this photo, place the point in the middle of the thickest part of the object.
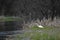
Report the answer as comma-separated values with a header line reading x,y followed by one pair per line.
x,y
44,35
37,28
47,33
9,19
39,36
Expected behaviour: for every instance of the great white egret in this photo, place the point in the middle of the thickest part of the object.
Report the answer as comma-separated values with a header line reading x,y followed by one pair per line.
x,y
40,26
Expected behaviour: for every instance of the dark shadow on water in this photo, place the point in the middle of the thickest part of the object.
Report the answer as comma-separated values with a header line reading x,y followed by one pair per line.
x,y
2,37
10,26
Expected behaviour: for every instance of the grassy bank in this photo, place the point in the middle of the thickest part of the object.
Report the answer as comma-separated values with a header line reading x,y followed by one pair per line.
x,y
2,19
35,33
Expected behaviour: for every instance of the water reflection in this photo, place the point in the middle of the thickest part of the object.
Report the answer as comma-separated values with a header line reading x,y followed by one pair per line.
x,y
10,26
2,37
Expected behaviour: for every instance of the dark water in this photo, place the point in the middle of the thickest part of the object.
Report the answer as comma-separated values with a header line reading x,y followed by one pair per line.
x,y
9,28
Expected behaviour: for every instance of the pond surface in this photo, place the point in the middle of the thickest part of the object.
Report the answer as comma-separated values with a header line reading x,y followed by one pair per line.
x,y
10,26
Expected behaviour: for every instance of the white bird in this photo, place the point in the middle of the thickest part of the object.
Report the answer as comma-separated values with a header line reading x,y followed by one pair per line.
x,y
40,26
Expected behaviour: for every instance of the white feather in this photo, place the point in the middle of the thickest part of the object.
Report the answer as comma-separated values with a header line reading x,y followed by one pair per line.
x,y
40,26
